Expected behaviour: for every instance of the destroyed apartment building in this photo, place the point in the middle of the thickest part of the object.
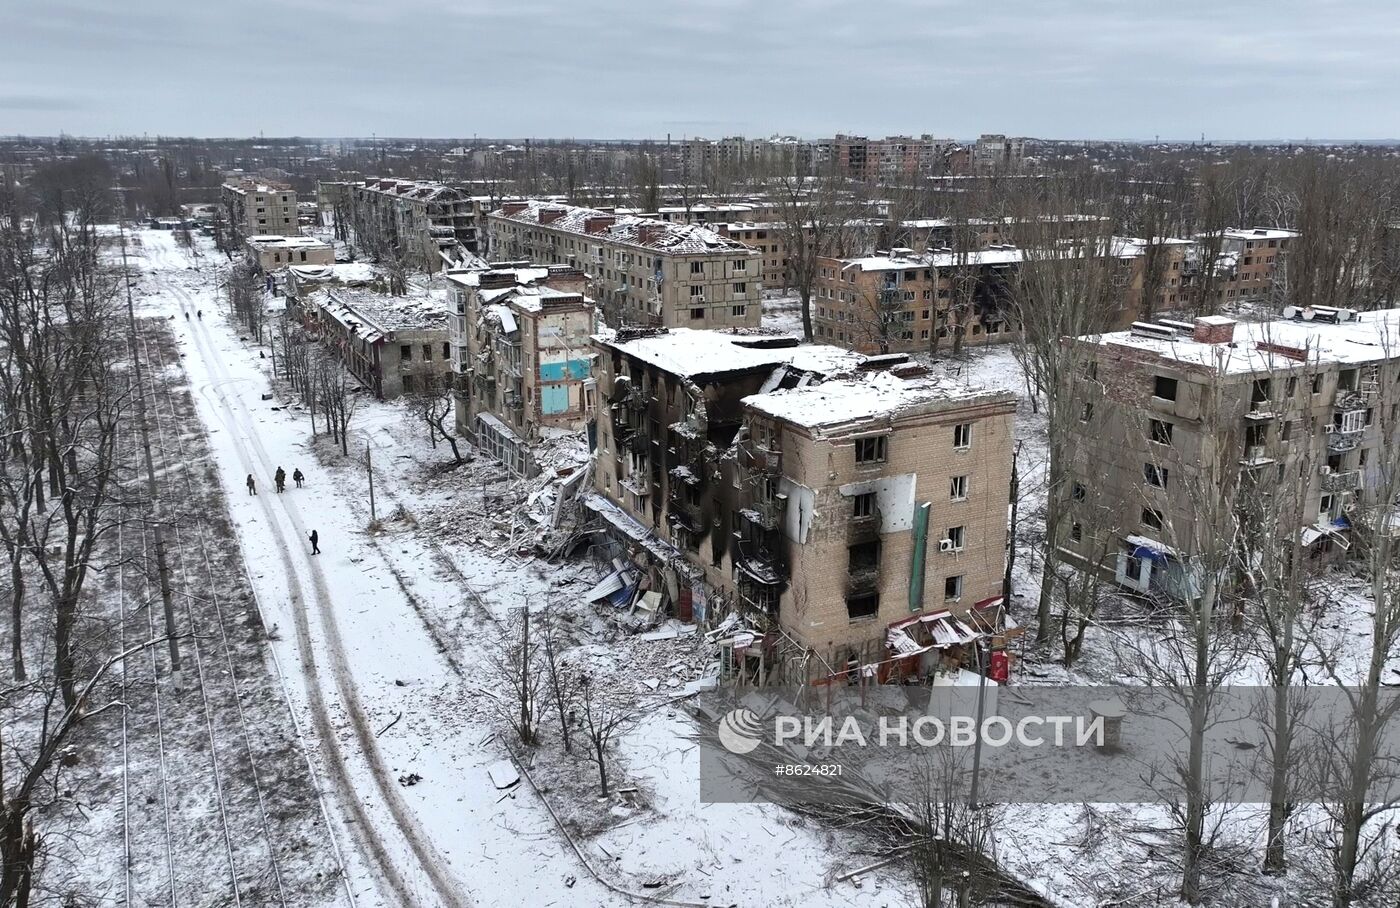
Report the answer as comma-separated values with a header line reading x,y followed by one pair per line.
x,y
645,271
1168,408
832,515
521,356
394,345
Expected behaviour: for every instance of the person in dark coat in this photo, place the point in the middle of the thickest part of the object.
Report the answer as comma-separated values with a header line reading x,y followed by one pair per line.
x,y
297,477
252,486
280,478
315,548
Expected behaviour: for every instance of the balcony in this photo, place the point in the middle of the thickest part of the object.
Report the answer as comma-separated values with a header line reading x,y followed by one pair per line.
x,y
764,460
1356,399
768,514
1349,481
1339,441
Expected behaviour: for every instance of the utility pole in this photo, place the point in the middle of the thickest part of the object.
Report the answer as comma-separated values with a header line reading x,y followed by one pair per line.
x,y
162,565
977,742
370,471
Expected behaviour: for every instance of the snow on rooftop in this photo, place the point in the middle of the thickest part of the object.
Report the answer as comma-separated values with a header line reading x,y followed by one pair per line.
x,y
838,401
668,237
1371,337
269,241
686,351
390,313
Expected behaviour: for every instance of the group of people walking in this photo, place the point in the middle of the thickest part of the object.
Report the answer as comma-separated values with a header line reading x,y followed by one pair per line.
x,y
279,481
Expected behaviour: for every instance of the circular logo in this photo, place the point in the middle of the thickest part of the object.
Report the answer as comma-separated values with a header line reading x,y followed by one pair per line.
x,y
740,731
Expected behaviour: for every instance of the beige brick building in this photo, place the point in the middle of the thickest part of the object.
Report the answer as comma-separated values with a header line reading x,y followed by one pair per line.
x,y
521,355
824,497
644,271
394,345
1249,266
270,253
1290,401
259,209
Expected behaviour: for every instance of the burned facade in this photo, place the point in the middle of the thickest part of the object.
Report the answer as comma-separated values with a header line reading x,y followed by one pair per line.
x,y
819,495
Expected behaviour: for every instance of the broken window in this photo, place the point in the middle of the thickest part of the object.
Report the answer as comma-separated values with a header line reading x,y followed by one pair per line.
x,y
1154,475
864,556
405,352
957,490
871,450
1160,432
863,505
1151,518
1164,388
952,588
955,536
962,435
864,606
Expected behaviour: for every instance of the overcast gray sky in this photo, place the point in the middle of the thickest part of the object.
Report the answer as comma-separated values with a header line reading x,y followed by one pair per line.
x,y
646,68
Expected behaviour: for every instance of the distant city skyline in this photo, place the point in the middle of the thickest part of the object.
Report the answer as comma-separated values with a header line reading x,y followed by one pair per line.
x,y
1054,69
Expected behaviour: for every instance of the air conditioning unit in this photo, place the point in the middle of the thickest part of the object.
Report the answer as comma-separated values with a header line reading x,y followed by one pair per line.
x,y
1324,469
698,300
945,545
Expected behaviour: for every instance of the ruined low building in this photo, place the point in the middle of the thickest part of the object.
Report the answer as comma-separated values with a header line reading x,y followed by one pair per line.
x,y
521,357
823,497
270,253
395,345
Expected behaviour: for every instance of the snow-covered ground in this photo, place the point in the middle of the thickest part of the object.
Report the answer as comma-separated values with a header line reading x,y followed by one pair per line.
x,y
383,638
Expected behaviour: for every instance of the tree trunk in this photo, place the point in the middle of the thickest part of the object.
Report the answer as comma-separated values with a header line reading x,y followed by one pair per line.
x,y
602,765
17,614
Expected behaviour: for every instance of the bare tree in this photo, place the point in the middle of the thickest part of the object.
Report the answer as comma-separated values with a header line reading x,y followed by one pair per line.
x,y
434,408
563,686
1064,290
515,668
27,760
813,215
603,720
1356,759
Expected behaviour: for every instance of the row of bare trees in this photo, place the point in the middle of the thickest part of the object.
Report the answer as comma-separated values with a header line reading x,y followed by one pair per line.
x,y
540,682
65,397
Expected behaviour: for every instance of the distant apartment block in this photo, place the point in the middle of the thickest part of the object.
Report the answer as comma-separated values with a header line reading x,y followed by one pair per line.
x,y
902,301
1293,404
645,271
1248,268
260,209
843,506
521,355
997,153
425,222
271,252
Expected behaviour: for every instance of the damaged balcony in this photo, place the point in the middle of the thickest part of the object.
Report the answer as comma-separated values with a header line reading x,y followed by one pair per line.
x,y
1349,481
758,559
